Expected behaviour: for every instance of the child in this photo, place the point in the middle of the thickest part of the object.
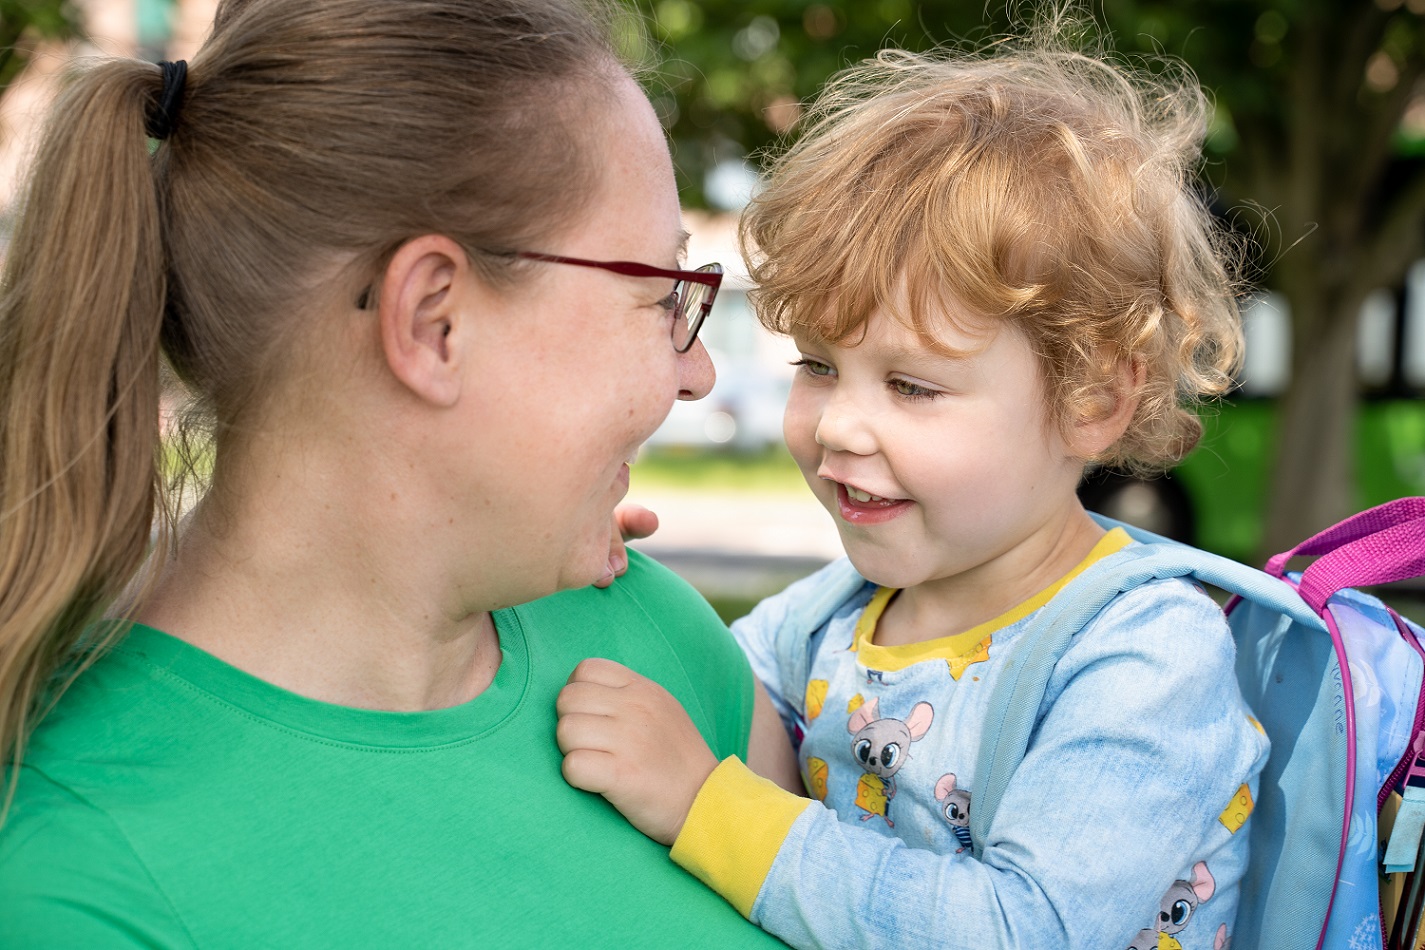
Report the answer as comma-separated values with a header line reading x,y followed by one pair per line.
x,y
997,273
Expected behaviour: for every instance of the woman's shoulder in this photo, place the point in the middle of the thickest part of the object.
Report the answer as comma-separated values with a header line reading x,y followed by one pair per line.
x,y
47,824
68,876
103,708
652,585
654,622
648,594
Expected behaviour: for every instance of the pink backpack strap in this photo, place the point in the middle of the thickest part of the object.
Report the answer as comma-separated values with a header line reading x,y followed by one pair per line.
x,y
1377,546
1366,523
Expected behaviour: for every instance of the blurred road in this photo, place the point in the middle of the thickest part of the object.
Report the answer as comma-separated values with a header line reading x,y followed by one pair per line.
x,y
738,544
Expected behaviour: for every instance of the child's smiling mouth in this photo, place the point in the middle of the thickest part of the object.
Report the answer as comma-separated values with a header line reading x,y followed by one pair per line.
x,y
862,507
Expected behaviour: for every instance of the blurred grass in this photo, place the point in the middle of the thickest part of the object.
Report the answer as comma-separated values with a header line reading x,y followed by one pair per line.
x,y
691,469
731,608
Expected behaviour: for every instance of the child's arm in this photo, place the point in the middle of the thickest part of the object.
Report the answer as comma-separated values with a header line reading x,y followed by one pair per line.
x,y
1142,743
1141,748
769,751
626,738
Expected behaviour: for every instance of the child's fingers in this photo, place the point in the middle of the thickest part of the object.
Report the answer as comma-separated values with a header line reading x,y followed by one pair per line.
x,y
592,770
586,731
635,521
631,522
642,707
592,699
603,672
608,579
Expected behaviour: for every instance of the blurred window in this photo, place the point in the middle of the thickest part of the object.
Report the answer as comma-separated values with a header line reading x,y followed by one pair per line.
x,y
1413,346
1266,364
1375,340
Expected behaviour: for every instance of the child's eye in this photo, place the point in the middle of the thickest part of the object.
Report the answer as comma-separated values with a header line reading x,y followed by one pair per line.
x,y
813,367
911,390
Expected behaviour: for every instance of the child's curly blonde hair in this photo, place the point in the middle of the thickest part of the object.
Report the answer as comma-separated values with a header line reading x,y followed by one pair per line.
x,y
1032,183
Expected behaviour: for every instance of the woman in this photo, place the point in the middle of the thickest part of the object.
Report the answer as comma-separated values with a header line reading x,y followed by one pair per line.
x,y
370,240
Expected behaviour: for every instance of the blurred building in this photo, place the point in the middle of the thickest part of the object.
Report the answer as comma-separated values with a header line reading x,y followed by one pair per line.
x,y
754,372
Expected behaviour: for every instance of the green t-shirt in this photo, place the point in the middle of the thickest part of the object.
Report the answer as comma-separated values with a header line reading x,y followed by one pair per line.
x,y
174,801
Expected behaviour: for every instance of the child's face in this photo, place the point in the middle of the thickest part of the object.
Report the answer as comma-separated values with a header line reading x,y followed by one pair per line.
x,y
964,465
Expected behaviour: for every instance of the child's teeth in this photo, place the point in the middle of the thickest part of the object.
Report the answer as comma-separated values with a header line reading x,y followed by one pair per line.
x,y
861,496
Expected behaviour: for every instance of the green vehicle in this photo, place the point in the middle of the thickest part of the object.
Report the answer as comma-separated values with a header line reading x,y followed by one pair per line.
x,y
1217,498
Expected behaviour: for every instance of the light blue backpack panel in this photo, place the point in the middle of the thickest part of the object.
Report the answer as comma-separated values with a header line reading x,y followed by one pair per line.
x,y
1337,743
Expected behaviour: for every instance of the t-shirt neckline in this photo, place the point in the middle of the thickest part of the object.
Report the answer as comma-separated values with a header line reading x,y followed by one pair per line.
x,y
170,658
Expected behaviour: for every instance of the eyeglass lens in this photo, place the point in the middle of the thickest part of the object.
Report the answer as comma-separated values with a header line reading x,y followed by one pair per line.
x,y
694,302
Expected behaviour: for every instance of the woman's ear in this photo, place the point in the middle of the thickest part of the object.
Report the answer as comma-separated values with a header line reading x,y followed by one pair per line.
x,y
422,292
1093,435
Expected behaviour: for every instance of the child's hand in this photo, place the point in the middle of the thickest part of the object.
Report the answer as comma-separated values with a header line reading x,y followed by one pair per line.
x,y
628,739
631,522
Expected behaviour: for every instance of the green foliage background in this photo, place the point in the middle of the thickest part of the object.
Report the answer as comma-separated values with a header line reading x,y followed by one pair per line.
x,y
1313,150
37,18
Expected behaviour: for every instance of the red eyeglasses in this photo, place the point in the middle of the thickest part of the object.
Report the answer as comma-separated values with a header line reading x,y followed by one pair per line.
x,y
694,290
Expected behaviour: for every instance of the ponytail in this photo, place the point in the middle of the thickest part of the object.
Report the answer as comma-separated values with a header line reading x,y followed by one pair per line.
x,y
81,308
293,150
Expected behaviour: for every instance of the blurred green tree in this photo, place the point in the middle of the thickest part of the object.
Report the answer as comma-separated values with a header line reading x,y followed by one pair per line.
x,y
1315,149
1321,125
729,75
49,19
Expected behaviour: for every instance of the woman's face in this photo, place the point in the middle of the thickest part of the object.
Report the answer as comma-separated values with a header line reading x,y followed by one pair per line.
x,y
579,370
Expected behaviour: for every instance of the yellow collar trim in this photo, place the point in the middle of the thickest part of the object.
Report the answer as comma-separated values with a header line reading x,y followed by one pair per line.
x,y
969,641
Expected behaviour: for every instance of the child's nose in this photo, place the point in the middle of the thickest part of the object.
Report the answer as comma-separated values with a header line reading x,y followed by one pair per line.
x,y
844,427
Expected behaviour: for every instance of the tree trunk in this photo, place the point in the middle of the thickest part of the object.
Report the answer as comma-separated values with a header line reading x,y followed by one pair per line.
x,y
1313,468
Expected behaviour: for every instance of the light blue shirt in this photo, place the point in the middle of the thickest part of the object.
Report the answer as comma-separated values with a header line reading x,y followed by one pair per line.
x,y
1119,829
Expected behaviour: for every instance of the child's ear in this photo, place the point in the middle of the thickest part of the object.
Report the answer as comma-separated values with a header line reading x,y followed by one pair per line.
x,y
1091,436
423,324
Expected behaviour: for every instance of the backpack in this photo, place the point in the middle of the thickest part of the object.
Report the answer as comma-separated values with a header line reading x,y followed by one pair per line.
x,y
1340,745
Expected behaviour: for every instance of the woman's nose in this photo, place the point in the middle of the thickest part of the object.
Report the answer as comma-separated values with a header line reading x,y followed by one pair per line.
x,y
695,372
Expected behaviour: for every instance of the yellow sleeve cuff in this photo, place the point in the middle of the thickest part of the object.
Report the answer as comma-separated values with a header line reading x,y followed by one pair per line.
x,y
734,831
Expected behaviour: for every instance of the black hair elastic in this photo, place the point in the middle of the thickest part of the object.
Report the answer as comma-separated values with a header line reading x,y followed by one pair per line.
x,y
163,118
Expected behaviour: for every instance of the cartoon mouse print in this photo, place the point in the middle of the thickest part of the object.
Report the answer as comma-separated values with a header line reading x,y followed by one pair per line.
x,y
882,746
1177,907
955,803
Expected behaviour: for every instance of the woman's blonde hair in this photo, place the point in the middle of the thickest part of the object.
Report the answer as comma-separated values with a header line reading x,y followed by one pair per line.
x,y
1028,182
310,131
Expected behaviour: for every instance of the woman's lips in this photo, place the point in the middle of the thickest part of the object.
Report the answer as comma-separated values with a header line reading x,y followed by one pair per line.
x,y
863,508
